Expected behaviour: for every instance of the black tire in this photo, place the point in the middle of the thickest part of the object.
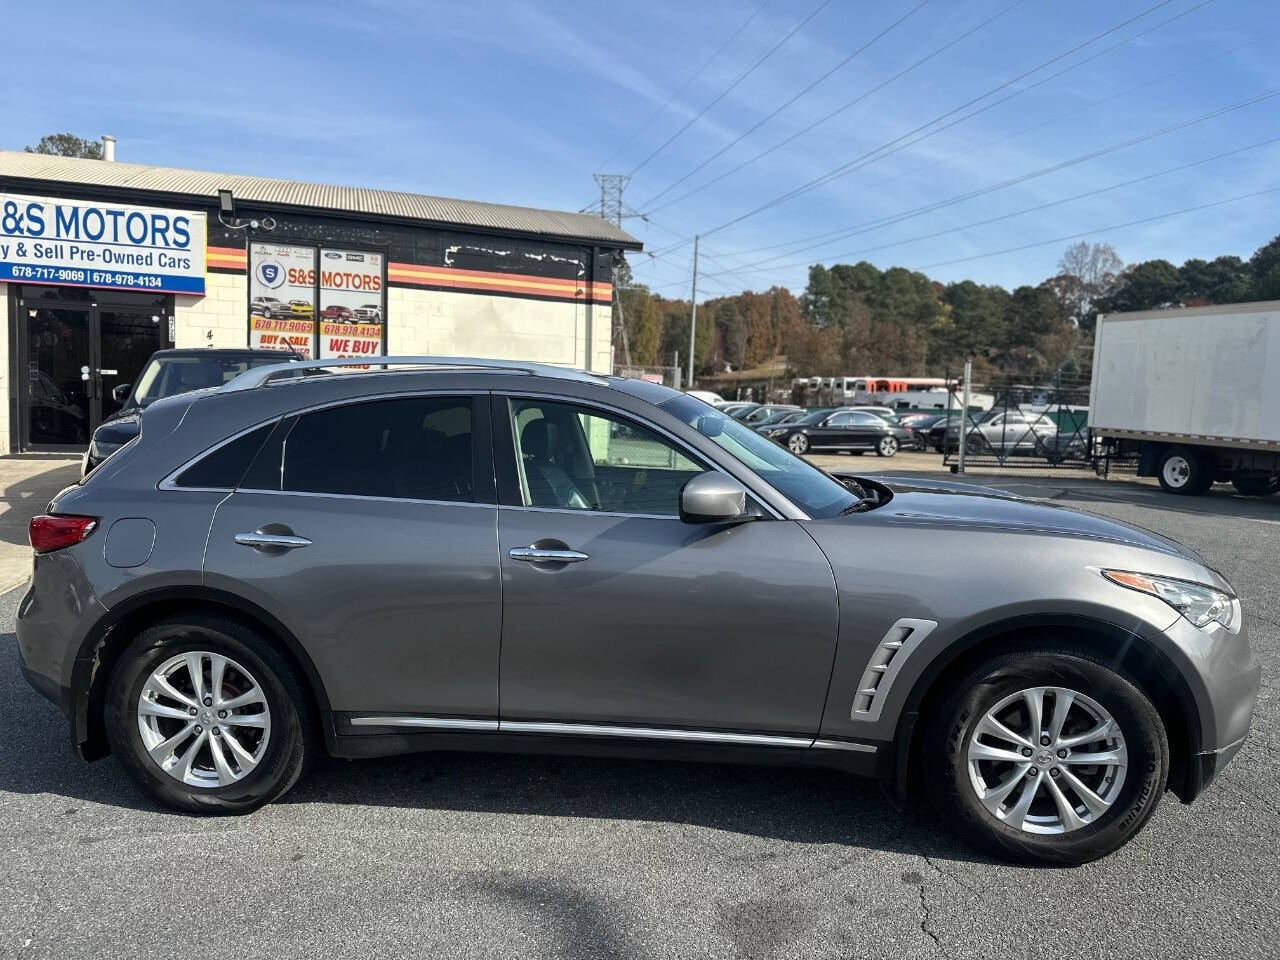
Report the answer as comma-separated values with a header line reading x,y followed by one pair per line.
x,y
293,741
952,725
1255,484
886,446
798,443
1184,471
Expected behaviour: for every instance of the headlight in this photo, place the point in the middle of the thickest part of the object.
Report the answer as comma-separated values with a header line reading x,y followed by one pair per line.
x,y
1200,604
100,449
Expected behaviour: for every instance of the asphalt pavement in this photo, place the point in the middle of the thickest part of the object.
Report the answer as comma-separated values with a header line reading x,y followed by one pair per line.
x,y
509,856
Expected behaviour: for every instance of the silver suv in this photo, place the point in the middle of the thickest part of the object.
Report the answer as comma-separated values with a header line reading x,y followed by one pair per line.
x,y
468,554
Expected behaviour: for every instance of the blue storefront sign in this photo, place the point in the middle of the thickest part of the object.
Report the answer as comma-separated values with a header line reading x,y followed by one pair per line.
x,y
82,243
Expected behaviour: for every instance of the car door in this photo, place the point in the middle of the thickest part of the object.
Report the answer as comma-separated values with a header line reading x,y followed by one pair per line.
x,y
615,612
845,431
369,530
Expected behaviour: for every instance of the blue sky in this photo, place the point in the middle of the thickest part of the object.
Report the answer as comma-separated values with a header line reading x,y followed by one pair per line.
x,y
521,102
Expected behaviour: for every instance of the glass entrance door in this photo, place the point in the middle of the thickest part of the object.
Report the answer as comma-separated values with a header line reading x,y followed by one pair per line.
x,y
127,341
58,397
73,353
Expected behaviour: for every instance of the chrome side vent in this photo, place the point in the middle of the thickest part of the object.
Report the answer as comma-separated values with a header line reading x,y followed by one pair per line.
x,y
885,663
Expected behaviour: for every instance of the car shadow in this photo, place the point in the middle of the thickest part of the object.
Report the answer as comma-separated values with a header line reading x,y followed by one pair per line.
x,y
29,496
798,805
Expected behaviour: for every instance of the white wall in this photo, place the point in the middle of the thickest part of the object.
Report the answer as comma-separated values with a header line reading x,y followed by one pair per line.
x,y
219,318
447,323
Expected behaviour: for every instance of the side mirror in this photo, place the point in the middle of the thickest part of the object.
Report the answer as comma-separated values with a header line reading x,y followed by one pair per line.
x,y
121,393
713,498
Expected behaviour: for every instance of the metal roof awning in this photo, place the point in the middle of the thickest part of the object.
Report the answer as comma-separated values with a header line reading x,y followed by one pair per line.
x,y
439,211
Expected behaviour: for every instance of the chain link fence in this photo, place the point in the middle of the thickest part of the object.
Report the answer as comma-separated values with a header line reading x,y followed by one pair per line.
x,y
1012,424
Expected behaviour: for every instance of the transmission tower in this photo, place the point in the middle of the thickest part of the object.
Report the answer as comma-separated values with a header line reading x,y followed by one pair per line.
x,y
611,187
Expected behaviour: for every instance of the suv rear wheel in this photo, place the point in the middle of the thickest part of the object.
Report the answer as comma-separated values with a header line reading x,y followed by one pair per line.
x,y
1047,756
207,716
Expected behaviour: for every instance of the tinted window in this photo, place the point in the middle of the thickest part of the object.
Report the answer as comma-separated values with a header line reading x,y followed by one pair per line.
x,y
579,458
418,448
223,468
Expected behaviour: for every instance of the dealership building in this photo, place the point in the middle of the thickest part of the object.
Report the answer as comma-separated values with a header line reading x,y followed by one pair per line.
x,y
102,263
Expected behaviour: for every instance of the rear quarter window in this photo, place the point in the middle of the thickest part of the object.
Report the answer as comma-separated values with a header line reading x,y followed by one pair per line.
x,y
223,467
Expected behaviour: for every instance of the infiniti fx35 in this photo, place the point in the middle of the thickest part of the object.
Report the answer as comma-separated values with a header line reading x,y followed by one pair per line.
x,y
464,554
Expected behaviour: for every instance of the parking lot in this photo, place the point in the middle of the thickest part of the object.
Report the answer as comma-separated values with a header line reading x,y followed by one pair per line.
x,y
504,856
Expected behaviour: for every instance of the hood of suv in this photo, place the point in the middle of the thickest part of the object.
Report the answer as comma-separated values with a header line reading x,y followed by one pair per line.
x,y
948,504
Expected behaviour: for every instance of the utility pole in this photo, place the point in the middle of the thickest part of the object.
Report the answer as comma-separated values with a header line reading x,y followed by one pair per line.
x,y
693,318
964,415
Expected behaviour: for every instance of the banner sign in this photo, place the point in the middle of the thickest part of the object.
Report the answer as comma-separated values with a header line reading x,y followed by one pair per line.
x,y
282,313
352,304
82,243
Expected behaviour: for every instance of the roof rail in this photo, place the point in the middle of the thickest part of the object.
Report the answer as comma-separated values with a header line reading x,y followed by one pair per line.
x,y
260,376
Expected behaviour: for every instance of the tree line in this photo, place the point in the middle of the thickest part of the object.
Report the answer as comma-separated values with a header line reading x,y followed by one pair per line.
x,y
857,318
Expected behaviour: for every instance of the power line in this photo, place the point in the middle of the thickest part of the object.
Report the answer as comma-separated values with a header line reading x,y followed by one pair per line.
x,y
742,136
843,107
1034,174
1011,136
725,92
842,168
684,86
1018,213
1097,230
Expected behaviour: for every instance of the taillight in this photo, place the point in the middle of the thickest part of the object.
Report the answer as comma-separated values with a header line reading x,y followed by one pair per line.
x,y
55,532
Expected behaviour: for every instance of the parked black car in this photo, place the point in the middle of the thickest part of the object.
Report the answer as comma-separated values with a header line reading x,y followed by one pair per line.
x,y
919,424
850,430
779,418
167,373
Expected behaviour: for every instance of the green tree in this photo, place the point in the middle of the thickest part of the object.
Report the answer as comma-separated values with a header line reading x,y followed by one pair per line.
x,y
68,145
1224,280
1146,286
1264,265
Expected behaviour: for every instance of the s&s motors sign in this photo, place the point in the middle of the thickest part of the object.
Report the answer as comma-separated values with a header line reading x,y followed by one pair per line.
x,y
81,243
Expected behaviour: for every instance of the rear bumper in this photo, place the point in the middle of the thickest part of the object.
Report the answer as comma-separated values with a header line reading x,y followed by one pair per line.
x,y
53,618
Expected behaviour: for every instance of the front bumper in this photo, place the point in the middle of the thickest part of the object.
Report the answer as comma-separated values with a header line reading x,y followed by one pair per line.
x,y
1224,678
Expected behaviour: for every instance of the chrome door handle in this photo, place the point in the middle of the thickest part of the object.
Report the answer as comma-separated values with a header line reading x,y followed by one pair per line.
x,y
539,555
279,541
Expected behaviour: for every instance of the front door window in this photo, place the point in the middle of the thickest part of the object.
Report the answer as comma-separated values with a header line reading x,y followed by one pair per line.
x,y
576,458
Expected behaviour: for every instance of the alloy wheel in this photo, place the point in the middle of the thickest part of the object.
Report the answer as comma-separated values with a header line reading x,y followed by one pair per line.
x,y
204,719
1047,760
888,446
798,443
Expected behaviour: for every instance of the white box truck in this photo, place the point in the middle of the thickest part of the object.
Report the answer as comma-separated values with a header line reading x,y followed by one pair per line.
x,y
1193,393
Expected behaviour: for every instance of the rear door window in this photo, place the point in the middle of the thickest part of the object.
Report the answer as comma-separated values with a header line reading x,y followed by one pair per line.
x,y
415,448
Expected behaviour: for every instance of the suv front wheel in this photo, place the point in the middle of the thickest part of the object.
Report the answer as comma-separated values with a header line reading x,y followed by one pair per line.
x,y
1047,756
207,716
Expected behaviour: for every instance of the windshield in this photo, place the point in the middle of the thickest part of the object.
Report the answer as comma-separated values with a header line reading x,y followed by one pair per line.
x,y
806,486
167,376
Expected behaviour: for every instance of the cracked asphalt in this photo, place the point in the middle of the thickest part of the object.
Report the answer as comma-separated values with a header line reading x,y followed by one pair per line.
x,y
494,856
